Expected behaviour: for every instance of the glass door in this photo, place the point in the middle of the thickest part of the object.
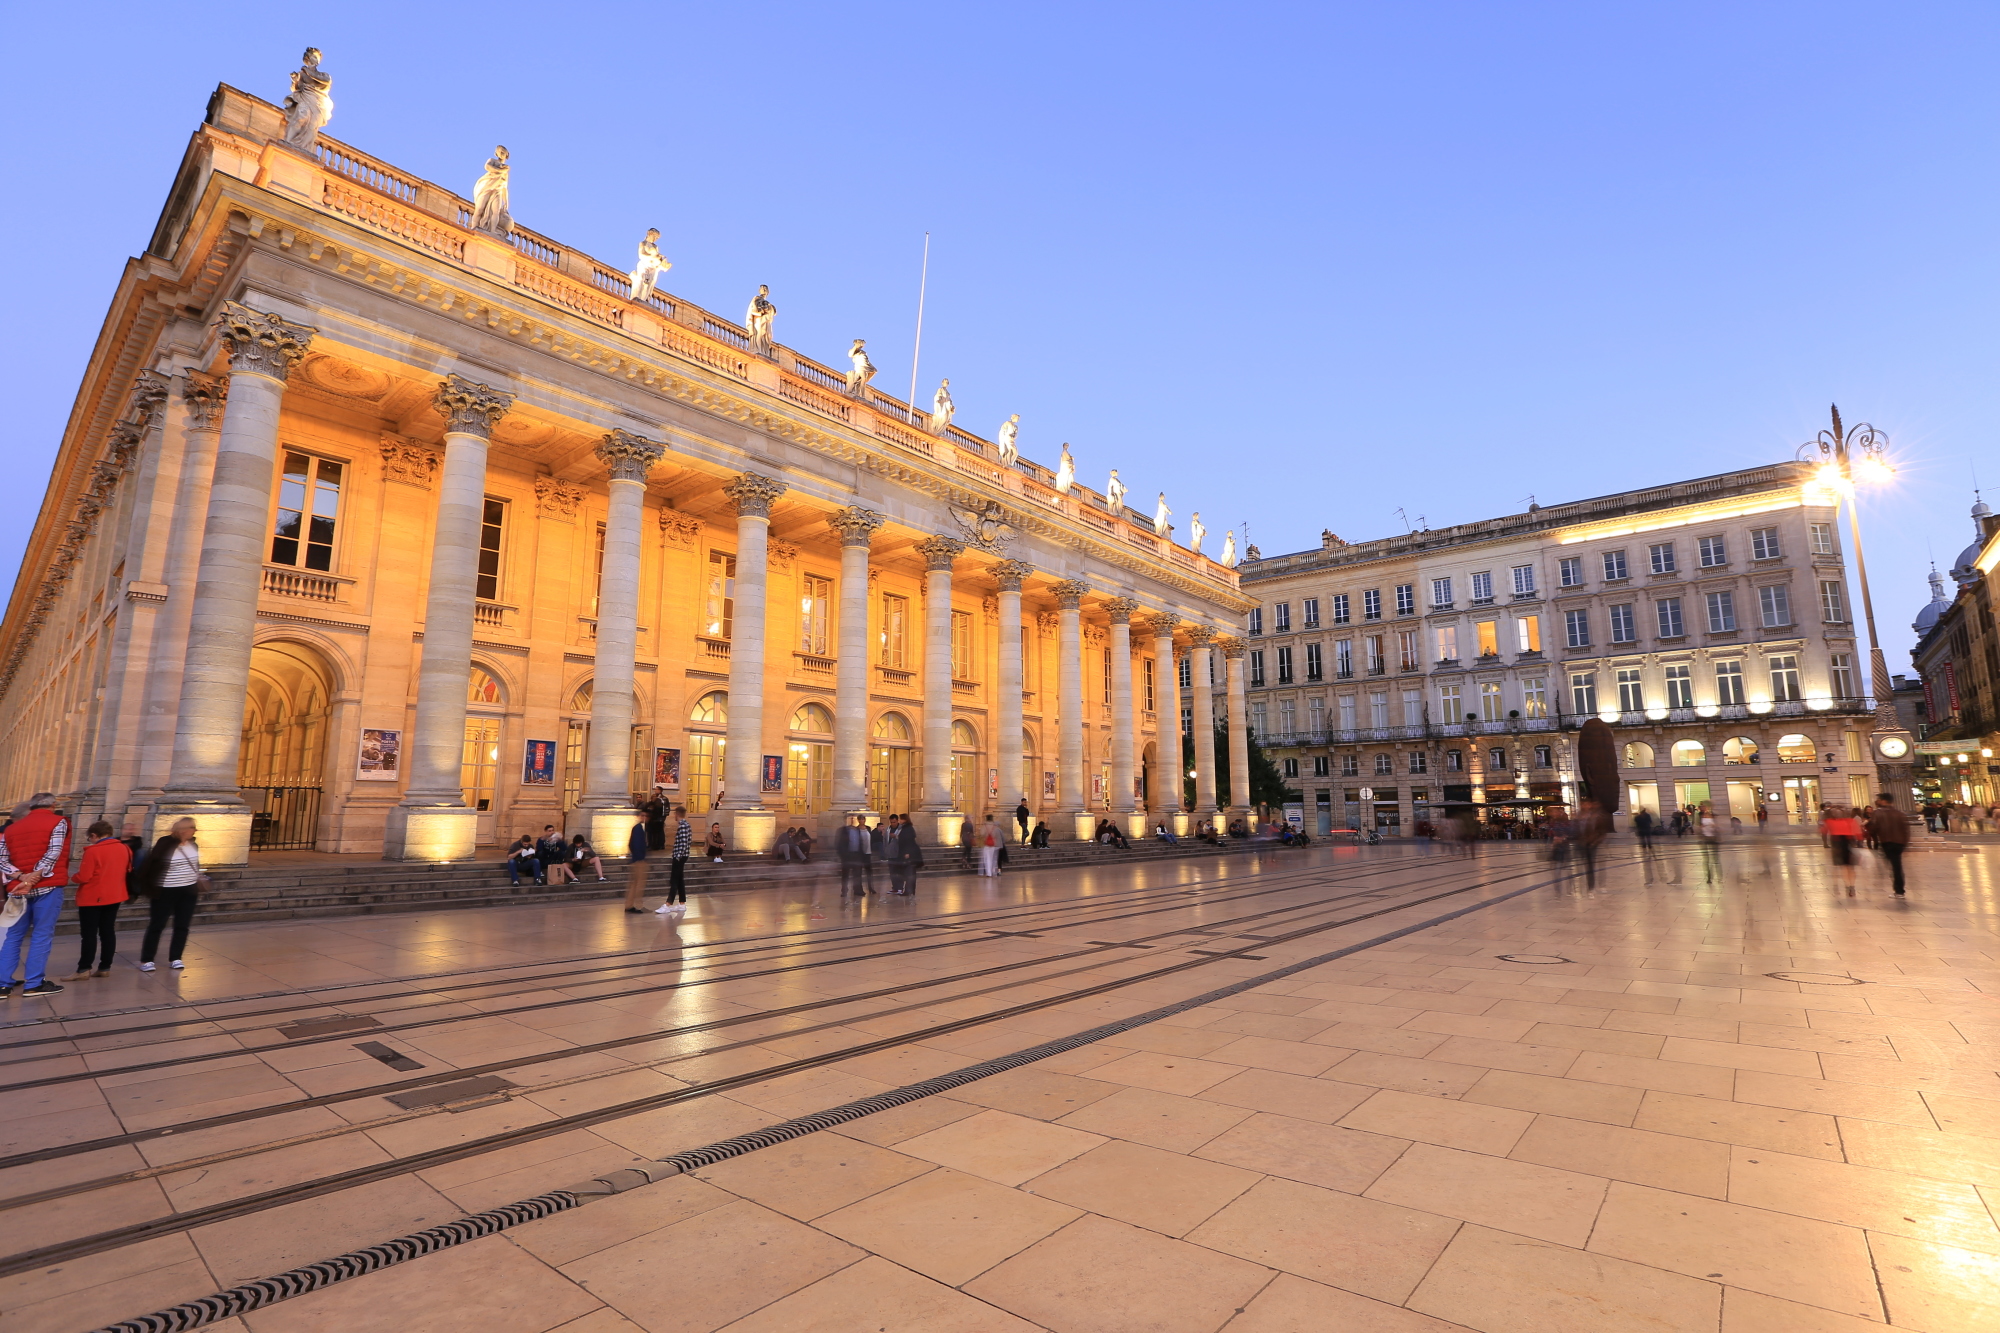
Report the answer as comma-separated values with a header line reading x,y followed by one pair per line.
x,y
478,769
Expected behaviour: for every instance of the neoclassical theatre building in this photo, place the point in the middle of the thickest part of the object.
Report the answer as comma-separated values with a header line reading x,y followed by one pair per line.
x,y
1708,621
383,524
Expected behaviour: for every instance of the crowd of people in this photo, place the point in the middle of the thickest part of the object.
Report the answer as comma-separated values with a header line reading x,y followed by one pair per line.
x,y
1961,817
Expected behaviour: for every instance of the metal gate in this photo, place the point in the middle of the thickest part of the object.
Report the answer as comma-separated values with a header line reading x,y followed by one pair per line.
x,y
283,818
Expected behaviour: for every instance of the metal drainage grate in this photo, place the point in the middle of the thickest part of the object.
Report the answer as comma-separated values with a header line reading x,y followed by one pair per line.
x,y
388,1055
1817,978
1546,959
483,1089
326,1027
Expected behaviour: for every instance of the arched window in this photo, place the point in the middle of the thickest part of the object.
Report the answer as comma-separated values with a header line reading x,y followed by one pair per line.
x,y
1689,754
482,691
892,765
892,727
963,737
712,708
1739,750
965,786
812,717
1797,749
1638,754
580,701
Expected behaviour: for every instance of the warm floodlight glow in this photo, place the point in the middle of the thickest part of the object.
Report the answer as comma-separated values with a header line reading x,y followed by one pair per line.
x,y
1761,706
1706,710
1820,702
1874,468
1608,714
1656,714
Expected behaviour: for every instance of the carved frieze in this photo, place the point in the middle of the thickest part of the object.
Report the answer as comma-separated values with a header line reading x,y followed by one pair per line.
x,y
682,530
557,499
407,461
780,555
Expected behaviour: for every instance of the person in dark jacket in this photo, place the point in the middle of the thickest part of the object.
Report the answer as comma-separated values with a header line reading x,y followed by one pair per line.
x,y
1890,828
1040,838
655,810
677,886
911,854
637,846
1021,816
552,850
854,847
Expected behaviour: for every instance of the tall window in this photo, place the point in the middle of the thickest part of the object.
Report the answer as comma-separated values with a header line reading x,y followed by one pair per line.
x,y
308,509
1105,671
1576,625
1285,665
1374,645
1371,603
1822,538
1454,761
1662,556
1489,701
1451,704
1535,696
1570,573
1378,710
1843,676
1524,580
1482,587
1680,687
1385,765
1343,658
815,605
1729,682
1406,601
1614,566
1406,641
1309,609
1347,712
1545,756
1287,717
1282,618
1785,677
1583,692
1764,544
1832,602
1256,620
1489,637
964,660
1313,670
1669,611
492,524
1712,552
1775,604
1721,612
1631,691
1256,666
1413,707
1350,765
1147,683
597,571
1316,713
719,614
1528,634
1340,608
1441,592
1623,628
1447,643
895,630
1419,762
1184,669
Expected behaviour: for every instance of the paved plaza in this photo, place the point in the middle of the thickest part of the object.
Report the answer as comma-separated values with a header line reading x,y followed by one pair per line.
x,y
1512,1103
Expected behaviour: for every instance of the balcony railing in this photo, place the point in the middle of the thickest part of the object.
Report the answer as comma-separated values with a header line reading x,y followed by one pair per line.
x,y
1567,722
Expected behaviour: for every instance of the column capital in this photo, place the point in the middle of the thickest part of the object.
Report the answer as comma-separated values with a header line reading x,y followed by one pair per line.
x,y
469,408
1120,610
1232,648
630,457
1165,622
753,494
1009,573
1199,636
1070,593
149,390
855,525
261,343
939,552
203,395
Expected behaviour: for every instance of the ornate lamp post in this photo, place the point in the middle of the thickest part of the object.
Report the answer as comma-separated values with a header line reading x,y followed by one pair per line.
x,y
1848,454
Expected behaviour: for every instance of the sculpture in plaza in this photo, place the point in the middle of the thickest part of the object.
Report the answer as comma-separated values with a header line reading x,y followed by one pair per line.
x,y
863,371
1065,472
1114,494
1229,549
651,265
1006,450
489,197
942,408
1196,532
309,106
1160,516
760,318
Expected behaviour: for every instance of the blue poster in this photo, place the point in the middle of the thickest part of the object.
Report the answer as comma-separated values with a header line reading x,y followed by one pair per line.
x,y
539,766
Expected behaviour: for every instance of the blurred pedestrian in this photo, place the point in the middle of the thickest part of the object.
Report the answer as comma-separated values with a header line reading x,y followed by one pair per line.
x,y
100,889
35,867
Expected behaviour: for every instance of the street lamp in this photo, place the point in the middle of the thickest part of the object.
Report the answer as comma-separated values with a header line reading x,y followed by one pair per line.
x,y
1847,453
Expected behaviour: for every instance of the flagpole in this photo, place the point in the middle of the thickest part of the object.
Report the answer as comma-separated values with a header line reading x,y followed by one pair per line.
x,y
917,349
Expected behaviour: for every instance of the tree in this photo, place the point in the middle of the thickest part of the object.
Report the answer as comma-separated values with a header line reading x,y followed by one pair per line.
x,y
1267,785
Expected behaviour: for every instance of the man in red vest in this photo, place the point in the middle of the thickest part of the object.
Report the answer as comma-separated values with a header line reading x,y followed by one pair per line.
x,y
34,863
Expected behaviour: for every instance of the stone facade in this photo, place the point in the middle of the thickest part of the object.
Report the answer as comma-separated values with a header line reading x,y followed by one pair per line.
x,y
375,533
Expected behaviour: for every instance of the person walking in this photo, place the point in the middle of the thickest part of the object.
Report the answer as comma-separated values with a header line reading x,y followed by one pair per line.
x,y
968,843
171,877
677,867
1711,844
35,867
638,846
912,856
100,888
1591,825
521,857
1021,816
1890,828
989,851
1842,830
655,810
582,854
855,850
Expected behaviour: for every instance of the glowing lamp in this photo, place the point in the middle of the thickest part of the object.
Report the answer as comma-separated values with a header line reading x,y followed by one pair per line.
x,y
1761,706
1706,710
1874,468
1656,714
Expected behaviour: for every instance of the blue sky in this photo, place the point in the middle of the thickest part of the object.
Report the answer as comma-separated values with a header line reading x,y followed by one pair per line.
x,y
1300,264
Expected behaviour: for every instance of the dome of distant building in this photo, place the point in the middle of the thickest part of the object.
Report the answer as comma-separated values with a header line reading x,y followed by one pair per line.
x,y
1963,571
1936,607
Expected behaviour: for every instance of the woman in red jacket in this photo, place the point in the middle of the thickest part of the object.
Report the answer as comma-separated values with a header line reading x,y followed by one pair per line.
x,y
100,887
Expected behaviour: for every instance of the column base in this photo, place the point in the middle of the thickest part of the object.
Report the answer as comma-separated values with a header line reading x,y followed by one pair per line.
x,y
431,833
610,830
754,831
1084,823
1137,824
222,828
939,828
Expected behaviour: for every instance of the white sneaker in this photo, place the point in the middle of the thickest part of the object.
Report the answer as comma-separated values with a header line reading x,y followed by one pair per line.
x,y
145,967
177,965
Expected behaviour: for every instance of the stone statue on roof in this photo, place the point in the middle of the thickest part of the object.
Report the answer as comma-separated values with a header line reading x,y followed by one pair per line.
x,y
1006,450
863,369
309,106
1114,494
760,318
942,408
489,197
1229,549
1196,532
651,265
1065,472
1160,516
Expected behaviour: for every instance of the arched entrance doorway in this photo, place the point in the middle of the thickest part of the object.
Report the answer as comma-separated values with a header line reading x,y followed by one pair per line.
x,y
281,767
892,764
809,764
707,747
968,788
479,766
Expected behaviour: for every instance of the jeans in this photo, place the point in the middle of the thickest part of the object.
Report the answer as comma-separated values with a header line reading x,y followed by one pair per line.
x,y
99,928
37,927
1892,852
677,881
514,864
176,904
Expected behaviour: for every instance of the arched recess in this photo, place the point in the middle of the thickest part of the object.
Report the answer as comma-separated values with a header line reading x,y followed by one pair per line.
x,y
1638,754
1797,749
809,760
707,743
1031,782
1149,760
479,761
1739,750
968,775
1689,754
282,765
892,764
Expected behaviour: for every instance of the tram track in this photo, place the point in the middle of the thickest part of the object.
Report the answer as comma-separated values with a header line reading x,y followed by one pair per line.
x,y
101,1242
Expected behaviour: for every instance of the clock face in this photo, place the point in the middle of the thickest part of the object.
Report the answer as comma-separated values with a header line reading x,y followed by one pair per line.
x,y
1894,747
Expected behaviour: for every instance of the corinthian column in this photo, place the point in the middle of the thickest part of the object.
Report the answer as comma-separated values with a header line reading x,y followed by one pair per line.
x,y
752,828
433,822
1201,727
856,527
1124,724
607,783
1239,731
1007,745
1072,802
222,618
941,820
1168,794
